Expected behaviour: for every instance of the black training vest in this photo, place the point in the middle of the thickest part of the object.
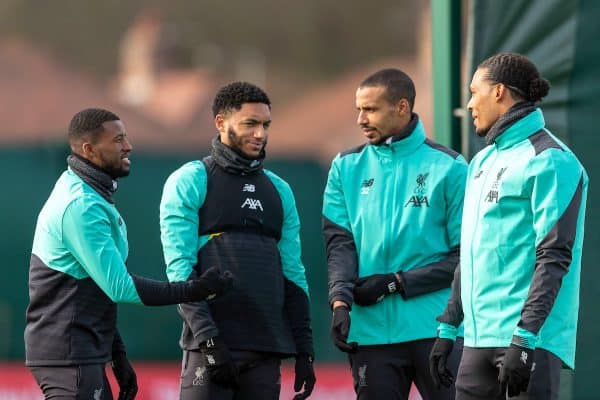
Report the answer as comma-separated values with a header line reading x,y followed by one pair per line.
x,y
240,203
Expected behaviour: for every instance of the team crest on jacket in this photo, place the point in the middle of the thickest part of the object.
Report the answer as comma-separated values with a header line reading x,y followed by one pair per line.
x,y
419,198
492,196
365,186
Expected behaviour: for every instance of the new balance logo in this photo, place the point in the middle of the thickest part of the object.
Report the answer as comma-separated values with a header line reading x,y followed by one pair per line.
x,y
366,185
252,204
98,394
391,287
248,187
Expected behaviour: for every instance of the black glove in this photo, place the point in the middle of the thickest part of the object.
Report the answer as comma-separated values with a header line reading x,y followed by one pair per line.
x,y
340,327
305,376
125,376
516,370
211,283
160,293
373,288
219,364
440,374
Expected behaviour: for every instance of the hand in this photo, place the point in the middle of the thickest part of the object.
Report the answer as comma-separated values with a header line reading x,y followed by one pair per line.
x,y
125,376
219,364
440,374
212,283
516,370
305,376
372,289
340,327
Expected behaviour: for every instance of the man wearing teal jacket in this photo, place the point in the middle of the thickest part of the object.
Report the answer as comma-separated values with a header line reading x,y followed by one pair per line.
x,y
391,219
522,235
77,270
227,210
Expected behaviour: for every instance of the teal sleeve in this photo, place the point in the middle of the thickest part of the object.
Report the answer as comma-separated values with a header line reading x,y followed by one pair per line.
x,y
86,232
455,194
334,202
183,195
290,249
447,331
557,184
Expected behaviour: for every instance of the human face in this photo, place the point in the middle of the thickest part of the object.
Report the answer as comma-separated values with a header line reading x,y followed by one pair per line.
x,y
377,117
110,150
485,103
246,129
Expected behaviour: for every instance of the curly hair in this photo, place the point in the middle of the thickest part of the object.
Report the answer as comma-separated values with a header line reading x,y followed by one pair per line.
x,y
518,74
232,96
89,122
397,84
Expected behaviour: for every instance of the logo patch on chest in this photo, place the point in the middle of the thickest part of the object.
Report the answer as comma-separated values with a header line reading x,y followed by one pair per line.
x,y
248,187
419,197
253,204
366,185
492,196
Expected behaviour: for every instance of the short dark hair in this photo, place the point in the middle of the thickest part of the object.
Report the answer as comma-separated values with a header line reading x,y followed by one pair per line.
x,y
233,95
397,84
518,74
89,122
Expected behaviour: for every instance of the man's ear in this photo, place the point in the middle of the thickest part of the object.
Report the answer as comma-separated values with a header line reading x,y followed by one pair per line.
x,y
403,107
87,150
220,122
500,91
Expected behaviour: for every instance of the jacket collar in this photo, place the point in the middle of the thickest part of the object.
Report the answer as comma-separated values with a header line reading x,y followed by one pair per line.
x,y
404,142
521,129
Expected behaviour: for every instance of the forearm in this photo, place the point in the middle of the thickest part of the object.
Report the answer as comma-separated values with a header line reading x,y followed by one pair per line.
x,y
453,314
298,310
431,277
342,261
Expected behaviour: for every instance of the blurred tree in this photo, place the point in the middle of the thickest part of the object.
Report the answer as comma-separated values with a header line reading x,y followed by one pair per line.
x,y
314,39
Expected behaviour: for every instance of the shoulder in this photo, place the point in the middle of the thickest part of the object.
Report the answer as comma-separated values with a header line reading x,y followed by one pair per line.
x,y
281,185
442,149
191,172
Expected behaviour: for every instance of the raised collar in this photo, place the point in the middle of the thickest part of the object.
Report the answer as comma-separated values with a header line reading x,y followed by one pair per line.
x,y
404,142
521,129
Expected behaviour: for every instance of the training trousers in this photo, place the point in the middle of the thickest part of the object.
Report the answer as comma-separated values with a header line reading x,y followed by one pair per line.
x,y
388,371
77,382
260,377
479,369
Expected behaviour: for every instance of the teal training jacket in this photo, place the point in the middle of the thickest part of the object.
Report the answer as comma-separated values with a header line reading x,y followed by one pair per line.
x,y
522,232
394,207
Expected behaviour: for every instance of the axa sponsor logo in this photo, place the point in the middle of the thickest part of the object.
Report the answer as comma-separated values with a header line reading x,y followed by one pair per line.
x,y
366,185
419,197
252,204
493,195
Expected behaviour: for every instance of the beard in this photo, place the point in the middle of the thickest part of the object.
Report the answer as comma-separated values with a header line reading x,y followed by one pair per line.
x,y
114,169
482,131
237,143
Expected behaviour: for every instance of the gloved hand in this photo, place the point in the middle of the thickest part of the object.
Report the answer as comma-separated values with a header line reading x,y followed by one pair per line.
x,y
516,370
373,288
305,376
340,327
219,364
440,351
125,376
211,283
